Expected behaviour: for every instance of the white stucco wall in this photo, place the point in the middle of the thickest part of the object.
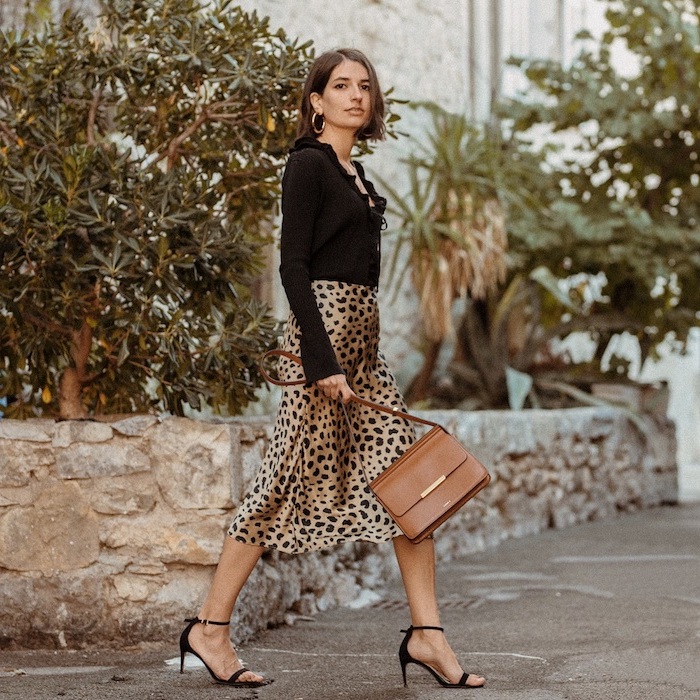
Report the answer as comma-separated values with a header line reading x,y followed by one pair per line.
x,y
417,46
683,377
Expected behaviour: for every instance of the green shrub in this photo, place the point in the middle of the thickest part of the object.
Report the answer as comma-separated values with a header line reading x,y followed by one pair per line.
x,y
139,169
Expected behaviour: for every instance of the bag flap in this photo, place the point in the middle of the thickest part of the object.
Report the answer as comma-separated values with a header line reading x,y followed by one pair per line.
x,y
425,464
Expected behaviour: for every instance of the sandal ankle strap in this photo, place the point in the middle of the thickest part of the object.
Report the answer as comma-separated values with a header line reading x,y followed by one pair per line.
x,y
206,622
422,627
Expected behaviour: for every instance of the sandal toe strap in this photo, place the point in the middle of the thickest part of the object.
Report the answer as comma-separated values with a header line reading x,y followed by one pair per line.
x,y
463,682
237,675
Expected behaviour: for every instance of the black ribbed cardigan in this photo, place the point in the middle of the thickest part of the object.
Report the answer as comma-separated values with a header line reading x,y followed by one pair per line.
x,y
329,232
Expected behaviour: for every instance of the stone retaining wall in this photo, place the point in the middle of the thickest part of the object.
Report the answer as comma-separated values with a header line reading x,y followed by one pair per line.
x,y
109,532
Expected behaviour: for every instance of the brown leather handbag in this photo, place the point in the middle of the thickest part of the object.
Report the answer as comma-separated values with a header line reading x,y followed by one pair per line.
x,y
428,483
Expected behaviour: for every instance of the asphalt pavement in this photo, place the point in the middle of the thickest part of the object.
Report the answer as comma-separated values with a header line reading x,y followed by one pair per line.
x,y
603,611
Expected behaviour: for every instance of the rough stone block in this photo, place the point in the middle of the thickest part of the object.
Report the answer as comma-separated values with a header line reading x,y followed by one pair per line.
x,y
244,431
501,469
601,423
54,610
523,513
306,605
492,529
584,479
249,445
512,439
563,516
16,496
58,533
122,495
150,540
251,457
529,433
260,599
579,454
192,463
567,481
134,426
68,432
134,587
497,491
341,590
86,460
201,545
20,460
28,430
184,589
578,504
534,482
469,431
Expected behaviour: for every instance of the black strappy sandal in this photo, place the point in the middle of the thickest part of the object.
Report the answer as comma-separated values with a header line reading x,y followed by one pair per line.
x,y
405,658
233,680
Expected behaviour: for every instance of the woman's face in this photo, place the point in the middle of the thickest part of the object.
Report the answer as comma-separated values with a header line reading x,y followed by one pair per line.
x,y
345,102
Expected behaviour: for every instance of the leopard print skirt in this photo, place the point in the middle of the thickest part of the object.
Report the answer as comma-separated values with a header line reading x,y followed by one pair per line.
x,y
311,491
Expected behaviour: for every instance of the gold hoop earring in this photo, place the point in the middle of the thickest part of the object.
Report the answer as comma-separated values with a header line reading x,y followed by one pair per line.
x,y
314,123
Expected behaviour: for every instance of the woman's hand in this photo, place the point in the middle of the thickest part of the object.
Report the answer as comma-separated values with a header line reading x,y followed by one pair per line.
x,y
336,386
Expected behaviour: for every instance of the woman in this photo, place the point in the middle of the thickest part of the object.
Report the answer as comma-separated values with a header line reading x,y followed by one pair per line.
x,y
310,491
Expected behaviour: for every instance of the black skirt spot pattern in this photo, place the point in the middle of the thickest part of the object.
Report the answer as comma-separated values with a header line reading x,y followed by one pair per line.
x,y
310,491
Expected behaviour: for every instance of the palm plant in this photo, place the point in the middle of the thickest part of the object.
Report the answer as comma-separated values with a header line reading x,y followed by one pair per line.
x,y
453,222
485,221
464,182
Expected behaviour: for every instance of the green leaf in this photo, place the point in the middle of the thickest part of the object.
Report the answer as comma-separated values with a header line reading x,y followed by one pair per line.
x,y
546,279
519,386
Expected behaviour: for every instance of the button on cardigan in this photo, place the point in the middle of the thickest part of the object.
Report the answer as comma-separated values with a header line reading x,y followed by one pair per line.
x,y
329,232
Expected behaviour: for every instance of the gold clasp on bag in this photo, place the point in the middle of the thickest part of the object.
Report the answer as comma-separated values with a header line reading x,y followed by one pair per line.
x,y
433,486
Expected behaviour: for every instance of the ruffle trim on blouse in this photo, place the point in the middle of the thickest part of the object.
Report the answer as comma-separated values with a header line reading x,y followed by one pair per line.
x,y
380,202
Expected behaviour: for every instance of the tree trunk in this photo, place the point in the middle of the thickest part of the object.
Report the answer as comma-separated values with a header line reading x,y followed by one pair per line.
x,y
70,391
73,379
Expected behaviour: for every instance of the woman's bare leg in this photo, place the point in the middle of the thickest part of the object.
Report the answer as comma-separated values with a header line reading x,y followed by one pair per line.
x,y
213,642
417,565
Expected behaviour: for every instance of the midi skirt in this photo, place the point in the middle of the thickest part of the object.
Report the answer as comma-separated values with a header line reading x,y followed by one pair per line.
x,y
311,491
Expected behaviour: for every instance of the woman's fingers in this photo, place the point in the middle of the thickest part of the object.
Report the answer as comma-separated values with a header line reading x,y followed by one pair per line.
x,y
346,393
336,387
330,386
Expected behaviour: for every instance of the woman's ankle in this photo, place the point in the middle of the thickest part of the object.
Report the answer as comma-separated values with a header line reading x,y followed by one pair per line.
x,y
428,634
212,632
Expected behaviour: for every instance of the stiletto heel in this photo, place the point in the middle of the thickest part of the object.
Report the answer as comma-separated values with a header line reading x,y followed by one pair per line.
x,y
405,658
186,647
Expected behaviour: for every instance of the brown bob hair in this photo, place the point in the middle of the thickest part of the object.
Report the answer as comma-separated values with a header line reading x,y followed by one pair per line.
x,y
317,80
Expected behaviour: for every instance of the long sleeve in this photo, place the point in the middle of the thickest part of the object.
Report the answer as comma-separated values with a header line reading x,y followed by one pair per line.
x,y
302,198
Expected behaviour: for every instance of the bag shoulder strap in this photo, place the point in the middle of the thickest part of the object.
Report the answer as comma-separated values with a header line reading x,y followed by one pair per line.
x,y
355,399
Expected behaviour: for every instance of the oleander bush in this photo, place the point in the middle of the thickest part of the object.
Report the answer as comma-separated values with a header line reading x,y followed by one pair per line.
x,y
139,170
